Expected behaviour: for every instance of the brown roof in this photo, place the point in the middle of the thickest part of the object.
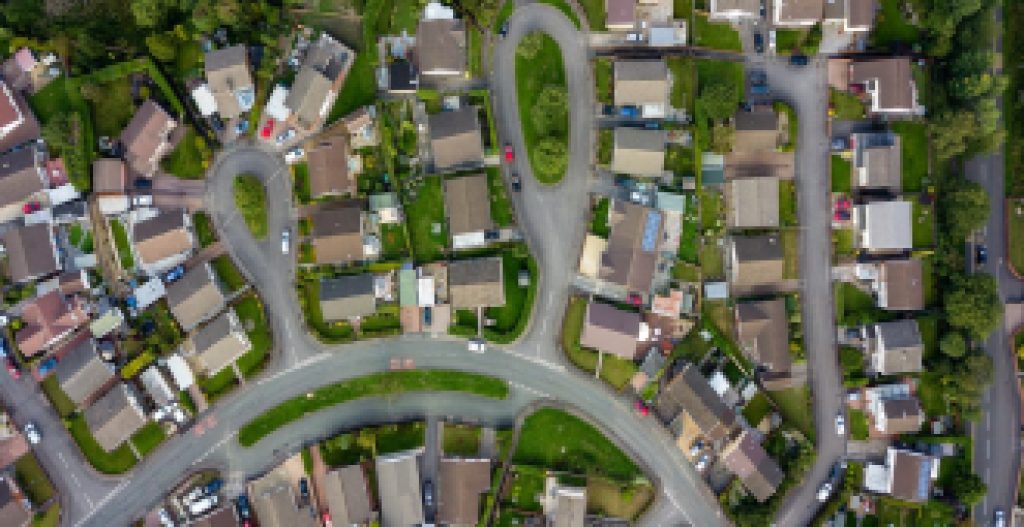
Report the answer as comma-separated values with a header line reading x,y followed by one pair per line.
x,y
798,10
690,392
753,203
901,285
455,140
467,202
910,480
30,252
462,483
327,159
639,151
338,234
13,511
108,176
761,163
441,46
477,282
276,507
220,343
861,13
902,416
620,12
893,78
307,95
47,319
161,236
114,417
757,259
630,257
18,125
639,82
758,472
71,282
763,333
81,373
194,297
611,330
756,130
20,177
348,496
145,137
227,72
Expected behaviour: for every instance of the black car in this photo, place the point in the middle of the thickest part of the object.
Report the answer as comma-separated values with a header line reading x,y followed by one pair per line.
x,y
517,184
304,490
492,234
142,183
242,504
799,60
503,31
428,493
981,254
759,42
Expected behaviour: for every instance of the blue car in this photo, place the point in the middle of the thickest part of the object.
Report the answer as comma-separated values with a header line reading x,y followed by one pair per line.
x,y
47,366
174,274
212,487
244,510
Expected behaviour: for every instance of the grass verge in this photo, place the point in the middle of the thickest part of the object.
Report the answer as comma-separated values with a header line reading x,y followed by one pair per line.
x,y
116,461
251,201
546,135
558,440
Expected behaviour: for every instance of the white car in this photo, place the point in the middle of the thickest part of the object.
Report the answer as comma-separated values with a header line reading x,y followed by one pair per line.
x,y
1000,518
840,425
286,241
285,135
825,491
294,155
477,346
142,200
32,434
771,40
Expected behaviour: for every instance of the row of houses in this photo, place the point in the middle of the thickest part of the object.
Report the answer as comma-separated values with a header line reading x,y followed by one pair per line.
x,y
856,16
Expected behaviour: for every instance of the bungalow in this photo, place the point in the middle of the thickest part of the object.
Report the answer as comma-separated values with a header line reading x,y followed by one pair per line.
x,y
475,283
763,334
467,203
338,236
611,330
229,80
81,373
162,241
398,483
347,297
620,15
22,180
462,483
147,138
630,257
644,84
758,472
441,42
31,252
639,151
689,395
757,130
797,13
883,226
755,260
735,10
753,203
110,185
455,142
900,285
195,297
876,161
220,343
895,347
47,320
906,475
347,496
115,416
18,125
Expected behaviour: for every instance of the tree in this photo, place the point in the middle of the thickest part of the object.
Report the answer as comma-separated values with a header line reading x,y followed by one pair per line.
x,y
163,46
551,157
966,209
951,132
953,345
530,44
719,100
550,112
973,305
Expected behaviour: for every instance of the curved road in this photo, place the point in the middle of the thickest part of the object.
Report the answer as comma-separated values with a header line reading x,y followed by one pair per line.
x,y
553,219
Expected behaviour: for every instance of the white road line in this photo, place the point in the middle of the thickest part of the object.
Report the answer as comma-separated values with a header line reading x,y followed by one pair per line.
x,y
117,490
74,478
219,444
531,390
988,449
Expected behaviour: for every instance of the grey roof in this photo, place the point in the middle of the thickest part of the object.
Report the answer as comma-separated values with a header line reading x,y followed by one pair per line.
x,y
758,472
690,392
611,330
398,482
221,342
877,161
20,178
30,252
886,225
347,296
902,415
763,333
757,119
467,202
441,46
476,282
194,297
307,95
901,346
276,507
328,56
455,141
901,285
753,202
639,151
348,498
81,373
629,260
758,259
114,417
639,82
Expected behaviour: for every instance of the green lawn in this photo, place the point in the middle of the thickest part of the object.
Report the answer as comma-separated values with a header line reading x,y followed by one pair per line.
x,y
712,262
923,228
60,401
892,27
795,406
533,74
148,437
300,182
461,440
348,449
421,214
842,240
389,383
603,72
787,204
360,88
689,239
684,82
400,437
218,385
680,160
561,441
474,40
711,209
716,35
756,410
250,312
392,240
599,218
1015,214
510,319
858,425
228,273
614,370
501,205
112,111
914,154
841,170
114,462
251,201
855,307
204,229
682,9
721,72
804,41
594,10
124,248
190,158
846,106
32,479
331,332
61,99
524,487
48,518
605,146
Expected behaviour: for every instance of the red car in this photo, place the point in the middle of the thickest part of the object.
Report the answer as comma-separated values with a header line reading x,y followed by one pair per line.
x,y
641,408
12,368
509,155
32,206
267,129
327,519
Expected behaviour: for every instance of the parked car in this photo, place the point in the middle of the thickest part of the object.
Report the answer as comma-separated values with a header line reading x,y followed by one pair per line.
x,y
142,183
771,40
294,155
142,200
174,274
32,206
981,254
824,491
477,346
634,36
629,112
1000,518
3,348
242,127
759,89
268,128
492,234
703,462
286,241
165,518
517,183
428,493
47,366
285,135
326,517
200,506
213,486
641,408
12,368
503,30
635,299
32,434
799,60
243,508
840,425
509,154
840,144
759,42
304,490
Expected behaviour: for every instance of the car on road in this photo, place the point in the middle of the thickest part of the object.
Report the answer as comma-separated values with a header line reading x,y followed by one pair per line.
x,y
759,42
840,425
32,434
1000,518
304,490
799,60
981,254
503,30
12,368
286,241
641,408
268,128
477,346
243,508
517,183
824,491
771,39
174,274
509,153
428,494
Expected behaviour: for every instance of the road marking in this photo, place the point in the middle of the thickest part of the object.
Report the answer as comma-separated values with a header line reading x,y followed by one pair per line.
x,y
213,448
537,360
531,390
117,490
988,448
74,478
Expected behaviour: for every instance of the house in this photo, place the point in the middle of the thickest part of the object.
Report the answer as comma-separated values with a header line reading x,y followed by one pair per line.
x,y
362,131
23,72
155,385
690,393
398,483
18,125
327,159
797,13
757,130
644,84
883,226
114,417
195,297
48,319
755,260
735,10
478,282
898,416
276,506
229,80
31,252
639,151
467,203
22,180
753,203
620,15
220,343
758,472
762,331
876,161
895,347
611,330
900,285
318,82
147,138
631,254
162,241
455,142
110,185
564,506
440,42
347,496
225,516
860,15
759,163
81,373
14,506
338,234
906,475
462,483
347,297
887,81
